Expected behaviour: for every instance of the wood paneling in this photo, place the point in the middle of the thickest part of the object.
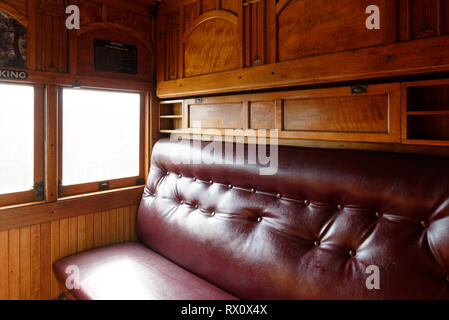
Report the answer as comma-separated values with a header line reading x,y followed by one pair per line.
x,y
415,57
297,42
339,114
53,48
27,254
213,38
311,27
216,116
323,114
262,115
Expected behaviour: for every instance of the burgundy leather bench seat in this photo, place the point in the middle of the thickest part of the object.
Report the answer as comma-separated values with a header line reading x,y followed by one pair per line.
x,y
311,231
131,271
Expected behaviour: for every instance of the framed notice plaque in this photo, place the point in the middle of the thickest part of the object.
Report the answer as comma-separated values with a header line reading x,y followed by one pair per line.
x,y
111,56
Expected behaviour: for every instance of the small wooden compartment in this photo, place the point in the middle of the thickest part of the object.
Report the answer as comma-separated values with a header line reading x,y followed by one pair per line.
x,y
426,113
170,116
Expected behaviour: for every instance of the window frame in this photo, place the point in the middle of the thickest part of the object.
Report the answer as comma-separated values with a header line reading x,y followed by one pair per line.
x,y
37,193
90,187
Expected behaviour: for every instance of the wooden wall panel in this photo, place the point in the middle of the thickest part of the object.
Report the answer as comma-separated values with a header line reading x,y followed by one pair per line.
x,y
342,114
219,116
304,33
262,115
214,41
310,27
27,254
53,48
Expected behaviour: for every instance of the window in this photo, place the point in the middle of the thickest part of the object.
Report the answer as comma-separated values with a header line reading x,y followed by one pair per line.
x,y
101,143
21,144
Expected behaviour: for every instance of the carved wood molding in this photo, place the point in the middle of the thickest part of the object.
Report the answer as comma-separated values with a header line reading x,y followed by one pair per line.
x,y
14,13
116,26
281,5
210,15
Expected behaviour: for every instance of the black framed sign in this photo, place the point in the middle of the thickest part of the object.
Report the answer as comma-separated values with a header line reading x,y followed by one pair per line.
x,y
112,56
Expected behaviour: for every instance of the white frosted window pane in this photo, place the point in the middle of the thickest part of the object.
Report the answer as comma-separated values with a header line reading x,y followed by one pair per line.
x,y
101,136
16,138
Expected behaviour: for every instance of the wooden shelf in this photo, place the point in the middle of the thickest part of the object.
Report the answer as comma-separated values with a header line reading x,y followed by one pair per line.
x,y
426,113
170,116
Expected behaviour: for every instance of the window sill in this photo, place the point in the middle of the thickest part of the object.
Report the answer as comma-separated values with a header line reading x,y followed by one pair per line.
x,y
43,212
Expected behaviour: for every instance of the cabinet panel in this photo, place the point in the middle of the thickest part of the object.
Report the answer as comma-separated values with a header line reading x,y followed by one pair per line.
x,y
216,116
339,114
334,114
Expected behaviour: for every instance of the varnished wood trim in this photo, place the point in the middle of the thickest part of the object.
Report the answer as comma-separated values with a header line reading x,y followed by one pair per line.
x,y
51,144
368,63
38,213
115,26
64,79
281,6
14,13
215,14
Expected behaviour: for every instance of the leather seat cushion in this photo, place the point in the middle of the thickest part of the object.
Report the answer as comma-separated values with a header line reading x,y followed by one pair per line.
x,y
131,271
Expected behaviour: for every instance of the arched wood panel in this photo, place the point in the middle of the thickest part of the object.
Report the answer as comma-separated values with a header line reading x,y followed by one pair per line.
x,y
15,12
212,44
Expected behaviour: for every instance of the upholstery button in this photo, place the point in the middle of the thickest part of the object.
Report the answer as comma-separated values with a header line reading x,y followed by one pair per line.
x,y
424,223
230,186
379,214
307,202
278,196
259,219
168,173
253,190
180,176
212,213
181,202
194,179
196,206
340,207
317,243
211,182
352,253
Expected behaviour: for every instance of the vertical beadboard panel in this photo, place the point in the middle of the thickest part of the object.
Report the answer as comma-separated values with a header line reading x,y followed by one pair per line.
x,y
25,263
113,226
45,261
81,234
27,254
89,224
14,264
4,265
73,235
55,254
120,229
97,229
105,232
126,222
35,262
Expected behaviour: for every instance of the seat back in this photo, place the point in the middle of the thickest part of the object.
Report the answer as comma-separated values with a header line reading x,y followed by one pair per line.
x,y
330,224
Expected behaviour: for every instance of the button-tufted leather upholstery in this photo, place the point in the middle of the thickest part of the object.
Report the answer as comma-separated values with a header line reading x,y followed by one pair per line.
x,y
308,232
